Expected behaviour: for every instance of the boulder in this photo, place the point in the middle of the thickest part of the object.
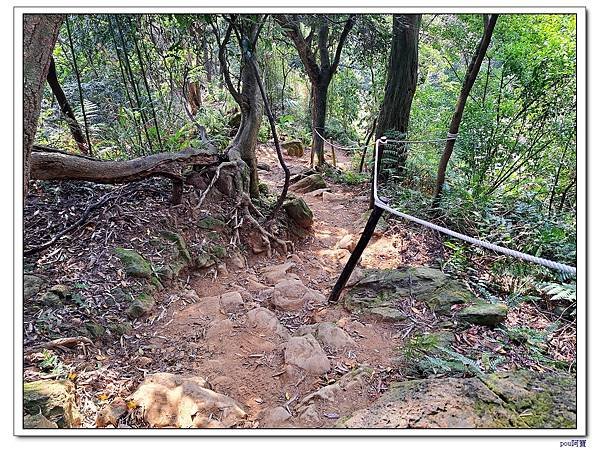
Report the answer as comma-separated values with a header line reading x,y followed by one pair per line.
x,y
31,286
54,400
489,314
519,399
293,148
306,353
299,212
170,400
134,264
385,288
308,184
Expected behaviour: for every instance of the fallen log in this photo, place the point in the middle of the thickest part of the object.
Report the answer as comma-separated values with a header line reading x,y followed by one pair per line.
x,y
53,164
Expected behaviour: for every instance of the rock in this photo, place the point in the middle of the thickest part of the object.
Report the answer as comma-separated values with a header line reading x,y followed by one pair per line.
x,y
37,421
219,329
319,192
169,400
293,148
237,261
141,306
292,295
119,329
275,417
32,285
111,413
94,330
328,334
134,264
306,353
347,242
182,249
275,274
63,291
264,319
203,261
542,399
55,400
51,299
299,212
386,314
525,400
212,223
489,314
308,184
383,288
332,197
263,166
231,301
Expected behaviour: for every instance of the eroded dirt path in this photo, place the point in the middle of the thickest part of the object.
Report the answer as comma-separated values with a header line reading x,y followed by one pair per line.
x,y
241,351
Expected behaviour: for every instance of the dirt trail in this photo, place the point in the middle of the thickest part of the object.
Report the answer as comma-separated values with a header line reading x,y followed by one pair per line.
x,y
247,363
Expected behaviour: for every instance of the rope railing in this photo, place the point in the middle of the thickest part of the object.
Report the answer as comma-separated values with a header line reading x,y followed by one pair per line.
x,y
496,248
341,147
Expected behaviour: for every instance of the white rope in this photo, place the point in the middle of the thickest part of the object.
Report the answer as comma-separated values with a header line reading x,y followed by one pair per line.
x,y
507,251
338,146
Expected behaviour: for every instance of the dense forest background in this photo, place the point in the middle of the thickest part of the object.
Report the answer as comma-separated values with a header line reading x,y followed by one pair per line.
x,y
144,84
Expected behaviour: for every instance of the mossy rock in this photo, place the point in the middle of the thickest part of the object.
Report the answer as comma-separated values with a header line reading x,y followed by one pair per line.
x,y
386,314
299,212
32,285
212,224
542,400
120,328
218,251
51,299
141,306
134,264
309,184
488,314
55,400
203,261
94,330
182,248
382,288
293,148
519,399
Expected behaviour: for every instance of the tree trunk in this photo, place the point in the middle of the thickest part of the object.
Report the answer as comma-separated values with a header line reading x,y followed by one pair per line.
x,y
65,108
40,32
251,109
469,81
401,80
319,111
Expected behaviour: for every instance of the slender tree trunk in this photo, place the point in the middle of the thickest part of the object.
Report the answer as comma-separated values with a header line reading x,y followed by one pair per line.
x,y
319,112
247,135
469,81
65,108
40,32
